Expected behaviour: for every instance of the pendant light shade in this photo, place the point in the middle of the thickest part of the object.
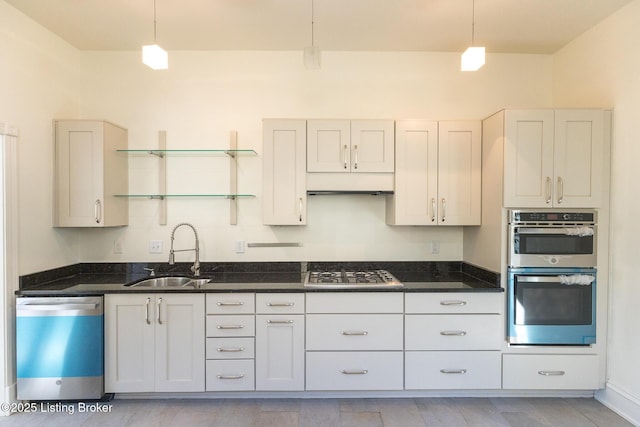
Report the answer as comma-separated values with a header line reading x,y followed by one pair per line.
x,y
153,55
472,58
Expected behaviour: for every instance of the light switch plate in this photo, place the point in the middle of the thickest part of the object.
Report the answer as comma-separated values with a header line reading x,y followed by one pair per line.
x,y
155,246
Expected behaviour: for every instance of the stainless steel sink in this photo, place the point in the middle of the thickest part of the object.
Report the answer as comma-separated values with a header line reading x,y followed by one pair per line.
x,y
169,282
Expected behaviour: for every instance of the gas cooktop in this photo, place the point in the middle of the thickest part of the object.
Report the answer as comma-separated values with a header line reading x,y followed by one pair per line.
x,y
351,279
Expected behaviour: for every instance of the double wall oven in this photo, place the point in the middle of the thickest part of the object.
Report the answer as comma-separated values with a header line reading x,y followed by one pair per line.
x,y
551,278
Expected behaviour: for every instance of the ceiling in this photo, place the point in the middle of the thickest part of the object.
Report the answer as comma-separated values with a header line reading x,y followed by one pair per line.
x,y
503,26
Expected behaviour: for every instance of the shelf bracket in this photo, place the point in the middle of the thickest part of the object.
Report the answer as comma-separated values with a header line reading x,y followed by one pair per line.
x,y
162,176
233,178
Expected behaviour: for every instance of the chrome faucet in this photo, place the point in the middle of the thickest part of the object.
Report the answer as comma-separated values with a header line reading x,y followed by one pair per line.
x,y
196,265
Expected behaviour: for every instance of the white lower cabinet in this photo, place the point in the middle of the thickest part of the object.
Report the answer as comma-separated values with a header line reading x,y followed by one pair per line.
x,y
354,370
280,330
230,375
154,342
452,370
550,371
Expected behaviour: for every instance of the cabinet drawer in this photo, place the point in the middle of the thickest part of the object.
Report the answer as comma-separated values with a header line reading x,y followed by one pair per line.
x,y
354,332
231,326
230,375
550,371
354,370
433,370
453,332
280,303
454,302
354,302
230,348
230,303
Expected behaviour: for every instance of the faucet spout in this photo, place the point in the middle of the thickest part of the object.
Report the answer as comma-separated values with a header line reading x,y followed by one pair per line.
x,y
195,268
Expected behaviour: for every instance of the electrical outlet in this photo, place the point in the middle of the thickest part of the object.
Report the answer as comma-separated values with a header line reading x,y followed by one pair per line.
x,y
155,246
117,246
435,247
239,246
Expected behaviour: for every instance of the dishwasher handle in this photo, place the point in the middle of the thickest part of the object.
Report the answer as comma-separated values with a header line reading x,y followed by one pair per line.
x,y
71,306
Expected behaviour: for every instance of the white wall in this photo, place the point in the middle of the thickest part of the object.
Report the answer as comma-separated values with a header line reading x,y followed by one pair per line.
x,y
198,101
602,68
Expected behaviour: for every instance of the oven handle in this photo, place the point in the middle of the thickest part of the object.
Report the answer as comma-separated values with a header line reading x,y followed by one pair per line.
x,y
547,279
552,230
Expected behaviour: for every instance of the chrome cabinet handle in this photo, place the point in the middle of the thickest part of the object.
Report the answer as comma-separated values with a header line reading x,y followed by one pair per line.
x,y
345,150
352,333
97,213
279,322
146,311
453,333
159,305
453,302
433,209
280,304
230,377
453,371
230,303
560,188
548,190
551,373
354,372
230,350
355,162
444,208
230,326
300,210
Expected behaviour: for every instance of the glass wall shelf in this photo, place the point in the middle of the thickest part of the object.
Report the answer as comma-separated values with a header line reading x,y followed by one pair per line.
x,y
162,196
160,153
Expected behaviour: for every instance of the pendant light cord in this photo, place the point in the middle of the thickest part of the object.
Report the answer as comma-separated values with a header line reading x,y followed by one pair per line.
x,y
154,23
312,25
473,22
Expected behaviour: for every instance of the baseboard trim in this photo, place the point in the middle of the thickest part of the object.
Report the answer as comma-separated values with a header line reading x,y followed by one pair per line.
x,y
620,401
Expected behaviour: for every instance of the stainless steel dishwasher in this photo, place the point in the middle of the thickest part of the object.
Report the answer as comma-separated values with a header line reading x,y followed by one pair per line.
x,y
59,348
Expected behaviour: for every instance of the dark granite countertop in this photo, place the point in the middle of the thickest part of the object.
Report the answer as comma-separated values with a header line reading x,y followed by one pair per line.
x,y
99,279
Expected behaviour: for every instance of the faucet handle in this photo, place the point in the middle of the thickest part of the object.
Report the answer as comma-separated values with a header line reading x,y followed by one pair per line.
x,y
151,271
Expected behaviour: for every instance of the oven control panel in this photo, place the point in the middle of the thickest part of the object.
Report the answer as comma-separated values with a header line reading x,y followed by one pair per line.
x,y
582,217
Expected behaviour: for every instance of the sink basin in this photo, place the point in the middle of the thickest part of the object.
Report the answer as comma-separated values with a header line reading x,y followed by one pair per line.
x,y
169,282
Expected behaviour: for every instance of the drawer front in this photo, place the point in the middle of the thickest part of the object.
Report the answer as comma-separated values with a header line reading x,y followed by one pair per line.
x,y
354,302
280,303
230,348
230,375
454,302
550,371
230,303
354,370
354,332
434,370
453,332
231,326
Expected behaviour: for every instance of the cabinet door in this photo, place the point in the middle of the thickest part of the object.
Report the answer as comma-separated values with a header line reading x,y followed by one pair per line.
x,y
284,172
459,173
180,342
372,146
280,352
414,201
129,343
328,146
578,158
528,158
89,173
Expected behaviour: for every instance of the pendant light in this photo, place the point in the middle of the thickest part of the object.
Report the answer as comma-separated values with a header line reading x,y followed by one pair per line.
x,y
153,55
312,53
472,58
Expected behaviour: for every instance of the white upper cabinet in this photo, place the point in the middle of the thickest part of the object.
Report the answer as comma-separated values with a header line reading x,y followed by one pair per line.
x,y
438,173
553,158
284,172
89,172
350,146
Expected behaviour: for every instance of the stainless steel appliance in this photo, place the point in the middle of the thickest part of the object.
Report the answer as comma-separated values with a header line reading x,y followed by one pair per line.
x,y
552,238
351,279
59,348
551,306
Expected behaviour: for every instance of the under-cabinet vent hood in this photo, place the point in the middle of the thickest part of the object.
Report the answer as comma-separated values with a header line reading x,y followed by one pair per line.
x,y
350,183
356,192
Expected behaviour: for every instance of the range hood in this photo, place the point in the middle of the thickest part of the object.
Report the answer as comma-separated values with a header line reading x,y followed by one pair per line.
x,y
356,192
326,183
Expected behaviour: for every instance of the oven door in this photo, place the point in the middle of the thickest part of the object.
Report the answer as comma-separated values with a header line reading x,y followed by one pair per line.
x,y
551,306
552,246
